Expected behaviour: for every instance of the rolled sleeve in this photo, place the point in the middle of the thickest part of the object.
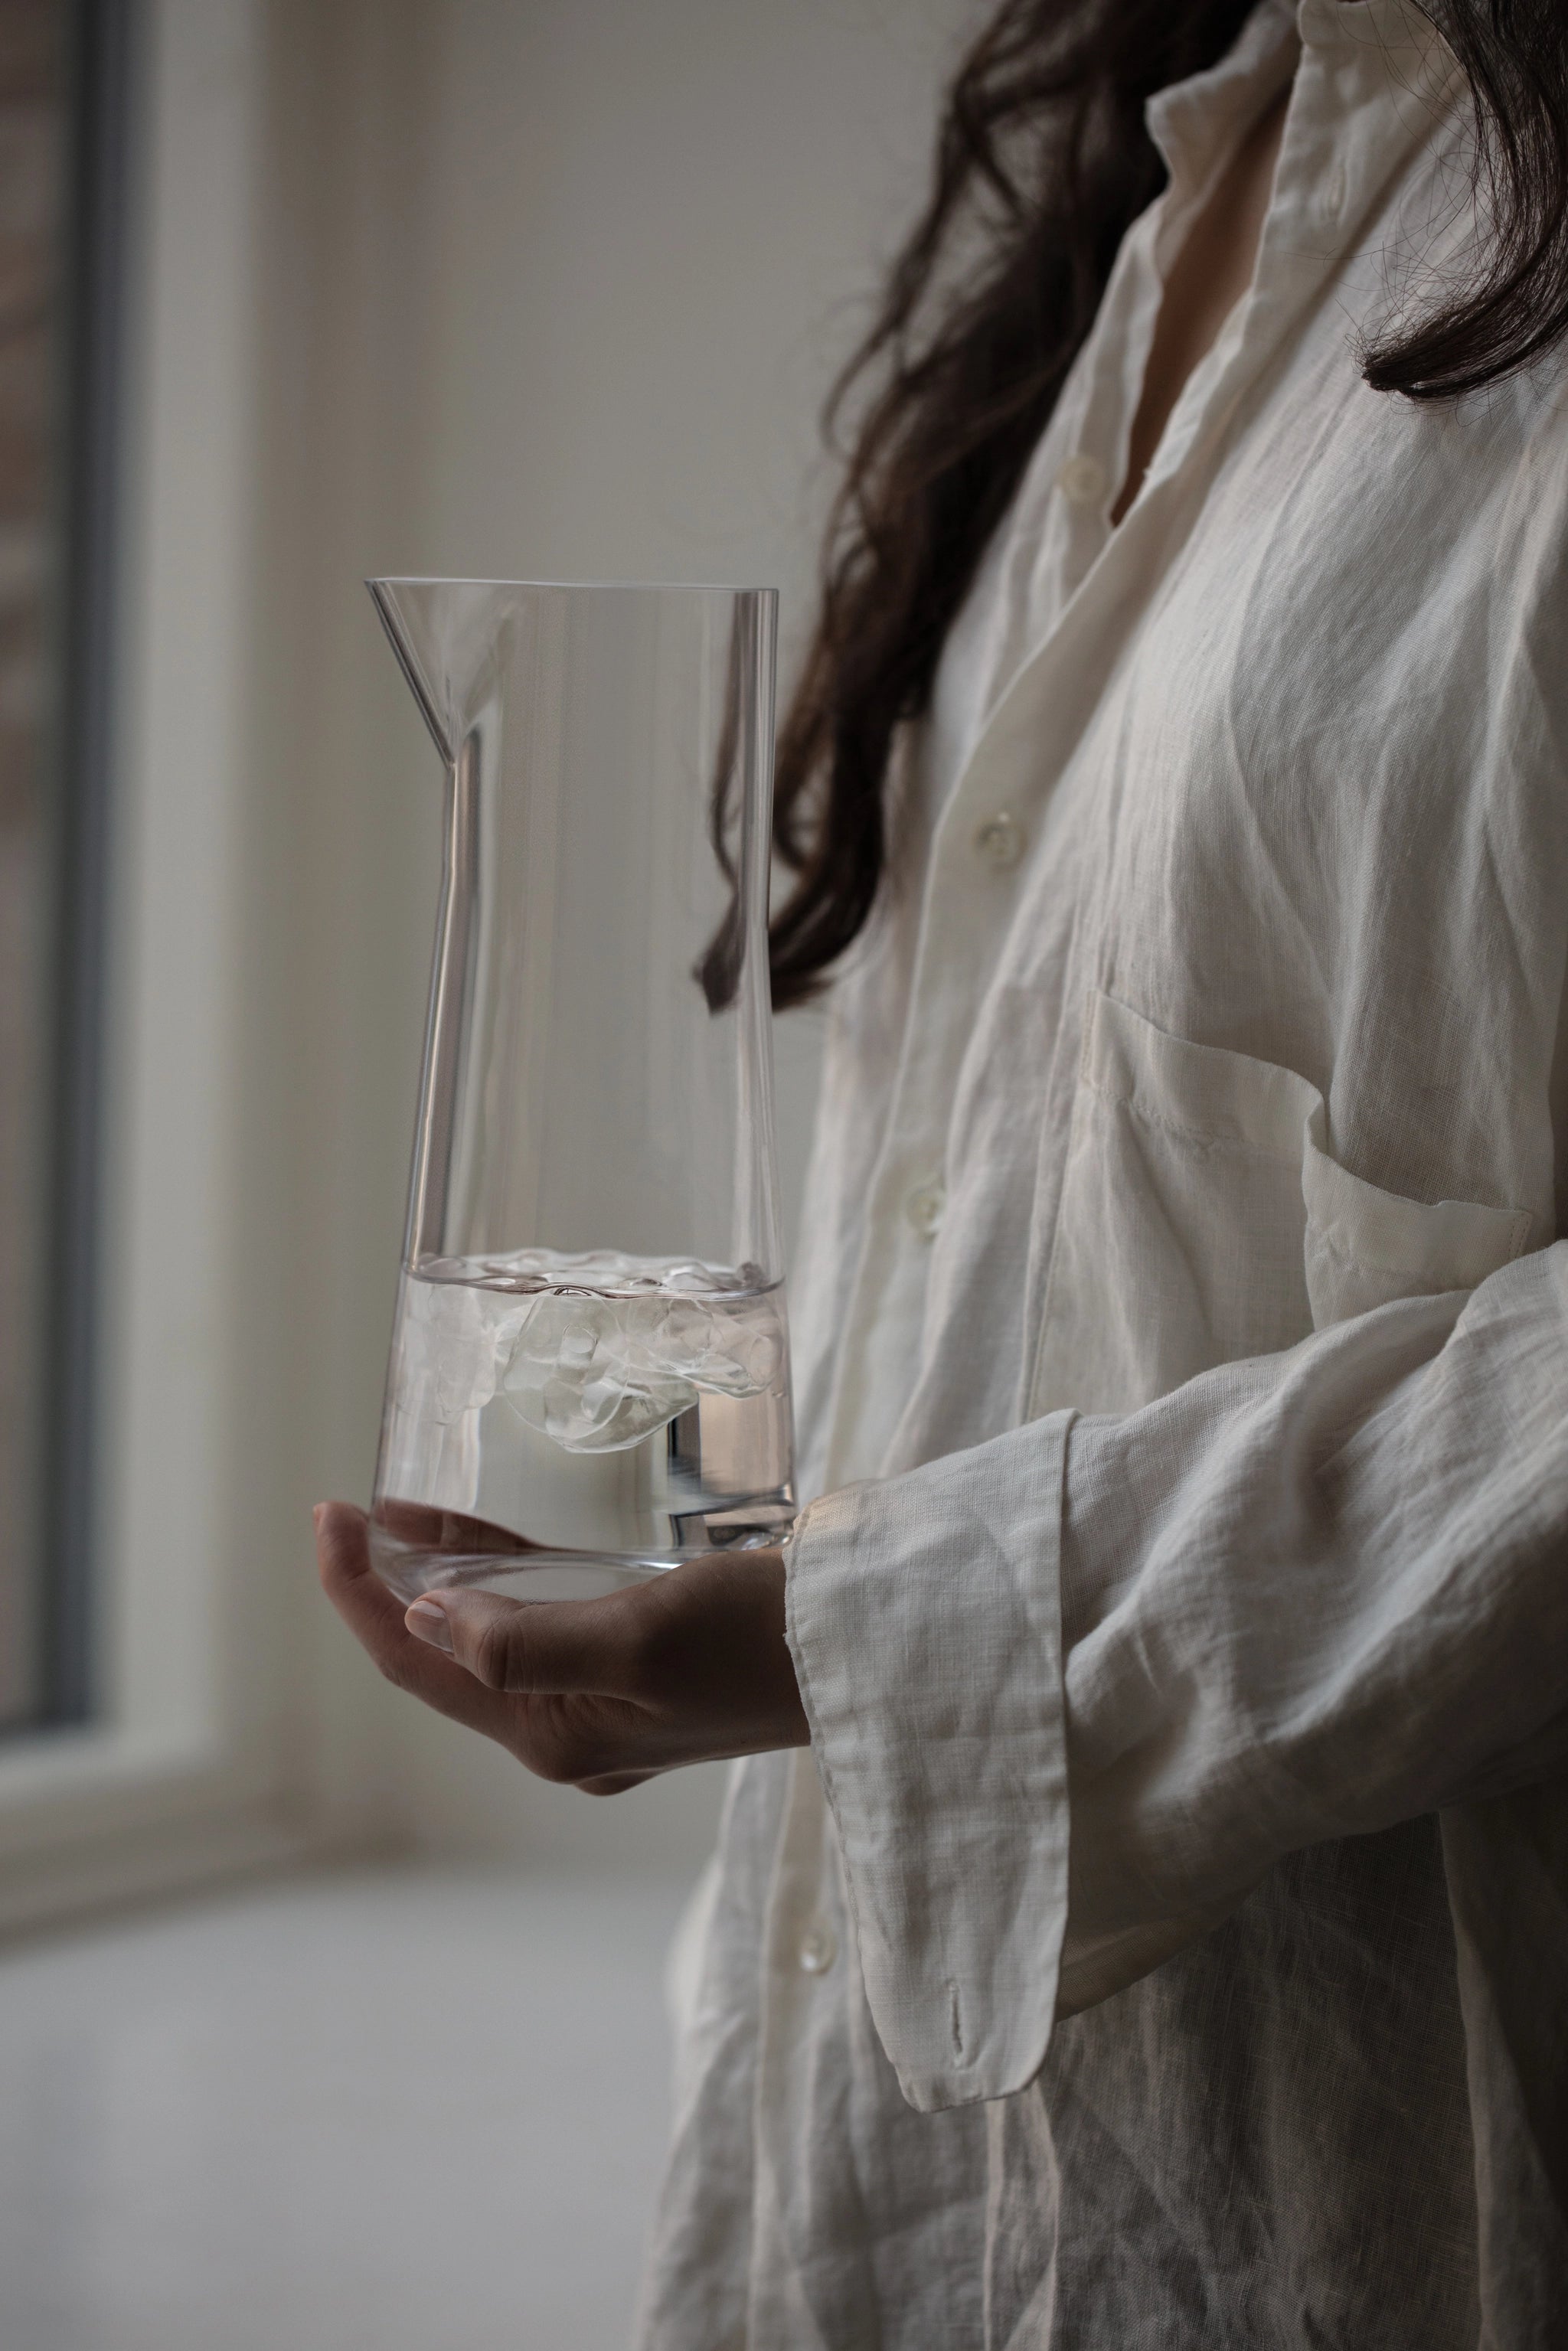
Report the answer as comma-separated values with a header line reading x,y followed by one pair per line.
x,y
925,1620
1309,1597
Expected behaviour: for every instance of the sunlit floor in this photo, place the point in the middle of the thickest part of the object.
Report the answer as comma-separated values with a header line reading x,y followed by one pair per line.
x,y
407,2108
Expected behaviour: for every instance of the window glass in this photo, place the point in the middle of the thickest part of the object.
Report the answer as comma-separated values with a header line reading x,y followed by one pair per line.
x,y
33,231
62,107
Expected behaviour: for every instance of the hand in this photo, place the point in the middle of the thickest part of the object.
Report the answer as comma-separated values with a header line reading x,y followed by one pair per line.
x,y
687,1667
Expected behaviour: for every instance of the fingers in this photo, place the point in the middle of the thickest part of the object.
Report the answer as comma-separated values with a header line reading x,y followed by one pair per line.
x,y
602,1693
375,1617
508,1670
355,1591
531,1647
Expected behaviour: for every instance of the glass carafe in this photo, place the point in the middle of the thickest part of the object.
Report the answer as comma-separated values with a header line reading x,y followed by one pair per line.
x,y
590,1375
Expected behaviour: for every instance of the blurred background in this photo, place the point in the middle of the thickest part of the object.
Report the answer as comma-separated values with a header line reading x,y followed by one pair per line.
x,y
319,2023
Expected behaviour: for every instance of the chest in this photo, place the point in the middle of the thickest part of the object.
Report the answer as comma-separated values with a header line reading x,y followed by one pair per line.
x,y
1309,815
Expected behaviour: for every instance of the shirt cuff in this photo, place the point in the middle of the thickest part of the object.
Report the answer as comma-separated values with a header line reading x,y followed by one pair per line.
x,y
925,1620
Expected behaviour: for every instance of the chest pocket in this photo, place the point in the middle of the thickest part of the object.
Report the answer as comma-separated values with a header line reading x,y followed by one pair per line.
x,y
1203,1220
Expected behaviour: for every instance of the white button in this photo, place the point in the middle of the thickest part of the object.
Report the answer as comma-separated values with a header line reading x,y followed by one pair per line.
x,y
819,1949
1081,480
925,1206
1000,840
1331,196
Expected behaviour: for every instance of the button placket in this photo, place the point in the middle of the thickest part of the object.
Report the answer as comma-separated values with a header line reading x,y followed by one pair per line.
x,y
1018,749
817,1949
925,1206
1081,479
998,841
1329,198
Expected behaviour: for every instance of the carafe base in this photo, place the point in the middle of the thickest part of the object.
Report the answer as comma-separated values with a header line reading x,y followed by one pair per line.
x,y
415,1549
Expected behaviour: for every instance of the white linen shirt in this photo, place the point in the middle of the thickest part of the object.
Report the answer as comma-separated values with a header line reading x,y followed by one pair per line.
x,y
1161,1942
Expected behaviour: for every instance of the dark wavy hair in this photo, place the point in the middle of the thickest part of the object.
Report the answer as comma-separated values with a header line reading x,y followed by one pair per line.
x,y
1042,162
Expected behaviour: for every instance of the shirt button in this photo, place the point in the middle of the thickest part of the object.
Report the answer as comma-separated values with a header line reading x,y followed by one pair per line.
x,y
1000,840
1081,480
924,1206
1330,198
819,1949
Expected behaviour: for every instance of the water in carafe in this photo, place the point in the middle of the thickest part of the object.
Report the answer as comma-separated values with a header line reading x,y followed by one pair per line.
x,y
595,1416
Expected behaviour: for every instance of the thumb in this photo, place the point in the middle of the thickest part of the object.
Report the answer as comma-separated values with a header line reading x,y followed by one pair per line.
x,y
533,1647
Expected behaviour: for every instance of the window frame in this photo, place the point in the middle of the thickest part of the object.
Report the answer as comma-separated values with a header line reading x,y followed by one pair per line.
x,y
101,63
180,1756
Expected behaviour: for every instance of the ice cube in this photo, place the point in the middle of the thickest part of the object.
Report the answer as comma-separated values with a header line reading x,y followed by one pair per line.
x,y
605,1349
581,1369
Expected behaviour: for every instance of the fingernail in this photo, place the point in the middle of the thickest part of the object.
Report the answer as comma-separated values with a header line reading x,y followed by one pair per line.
x,y
318,1514
428,1623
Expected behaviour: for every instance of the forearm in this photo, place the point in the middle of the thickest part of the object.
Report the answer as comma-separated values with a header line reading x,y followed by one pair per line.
x,y
1300,1597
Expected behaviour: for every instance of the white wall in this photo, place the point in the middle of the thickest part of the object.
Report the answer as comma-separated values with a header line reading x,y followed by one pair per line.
x,y
556,290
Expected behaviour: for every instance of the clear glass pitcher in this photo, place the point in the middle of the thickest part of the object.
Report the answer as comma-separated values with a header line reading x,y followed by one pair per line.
x,y
590,1375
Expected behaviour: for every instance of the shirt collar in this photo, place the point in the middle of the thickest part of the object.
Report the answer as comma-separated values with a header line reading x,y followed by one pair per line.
x,y
1196,123
1377,70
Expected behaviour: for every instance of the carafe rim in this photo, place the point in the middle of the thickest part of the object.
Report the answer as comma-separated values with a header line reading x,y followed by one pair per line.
x,y
652,587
